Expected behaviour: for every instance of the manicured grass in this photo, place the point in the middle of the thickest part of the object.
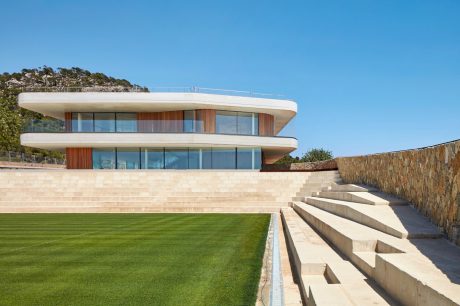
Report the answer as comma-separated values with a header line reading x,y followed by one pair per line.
x,y
131,259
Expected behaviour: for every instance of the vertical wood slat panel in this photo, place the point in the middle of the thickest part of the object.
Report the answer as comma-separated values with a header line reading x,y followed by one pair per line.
x,y
68,122
161,122
266,125
208,117
79,158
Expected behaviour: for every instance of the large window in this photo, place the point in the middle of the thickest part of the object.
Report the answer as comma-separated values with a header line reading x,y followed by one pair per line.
x,y
176,158
153,158
104,122
128,158
226,122
224,158
240,123
82,122
126,122
104,158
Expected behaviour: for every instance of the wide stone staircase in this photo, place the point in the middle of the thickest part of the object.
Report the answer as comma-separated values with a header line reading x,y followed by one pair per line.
x,y
353,245
154,191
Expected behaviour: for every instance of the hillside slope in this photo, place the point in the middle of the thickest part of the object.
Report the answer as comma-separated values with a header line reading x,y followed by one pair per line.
x,y
45,78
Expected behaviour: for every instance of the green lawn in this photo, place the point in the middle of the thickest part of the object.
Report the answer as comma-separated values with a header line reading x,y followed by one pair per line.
x,y
131,259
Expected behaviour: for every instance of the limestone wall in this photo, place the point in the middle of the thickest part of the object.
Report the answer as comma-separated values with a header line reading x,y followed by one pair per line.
x,y
427,177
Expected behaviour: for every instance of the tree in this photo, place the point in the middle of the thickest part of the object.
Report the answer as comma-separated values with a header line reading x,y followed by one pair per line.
x,y
288,159
314,155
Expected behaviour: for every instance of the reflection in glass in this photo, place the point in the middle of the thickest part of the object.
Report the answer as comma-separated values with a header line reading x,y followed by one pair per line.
x,y
224,158
104,158
245,123
82,122
189,121
126,122
153,158
257,158
194,159
206,158
244,158
128,158
226,122
176,158
104,122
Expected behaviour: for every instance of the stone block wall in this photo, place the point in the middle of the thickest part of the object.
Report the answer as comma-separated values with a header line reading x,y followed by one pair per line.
x,y
324,165
428,177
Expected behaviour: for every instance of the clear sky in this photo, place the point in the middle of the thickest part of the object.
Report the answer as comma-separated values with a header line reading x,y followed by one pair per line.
x,y
368,76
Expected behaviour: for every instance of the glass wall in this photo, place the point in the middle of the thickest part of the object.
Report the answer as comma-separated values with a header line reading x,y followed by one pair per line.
x,y
227,122
126,122
128,158
153,158
104,122
82,122
239,123
104,158
177,158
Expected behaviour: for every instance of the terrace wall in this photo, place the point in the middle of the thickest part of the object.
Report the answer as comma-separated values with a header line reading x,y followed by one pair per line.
x,y
427,177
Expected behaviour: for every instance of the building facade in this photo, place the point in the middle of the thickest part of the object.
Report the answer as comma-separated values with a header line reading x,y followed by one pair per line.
x,y
130,130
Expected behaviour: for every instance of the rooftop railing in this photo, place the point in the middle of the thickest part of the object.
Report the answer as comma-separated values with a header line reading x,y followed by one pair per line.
x,y
192,89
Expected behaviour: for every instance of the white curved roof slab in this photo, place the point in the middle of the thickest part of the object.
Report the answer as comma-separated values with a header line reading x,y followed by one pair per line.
x,y
55,104
273,147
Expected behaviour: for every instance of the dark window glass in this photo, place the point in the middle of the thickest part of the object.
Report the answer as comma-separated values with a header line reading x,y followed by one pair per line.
x,y
257,158
176,158
82,122
104,122
103,158
244,158
226,122
189,121
128,158
224,158
194,159
206,158
245,124
126,122
153,158
256,124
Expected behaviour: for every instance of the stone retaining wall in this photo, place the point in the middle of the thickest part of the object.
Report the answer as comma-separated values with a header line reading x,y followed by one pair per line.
x,y
427,177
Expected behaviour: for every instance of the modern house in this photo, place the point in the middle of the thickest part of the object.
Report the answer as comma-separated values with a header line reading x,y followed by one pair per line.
x,y
160,130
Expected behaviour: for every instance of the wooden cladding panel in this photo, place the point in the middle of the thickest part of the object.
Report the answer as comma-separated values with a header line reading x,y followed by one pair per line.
x,y
161,122
208,116
68,122
79,158
266,125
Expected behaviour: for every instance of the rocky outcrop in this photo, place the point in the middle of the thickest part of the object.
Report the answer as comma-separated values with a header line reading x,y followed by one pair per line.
x,y
427,177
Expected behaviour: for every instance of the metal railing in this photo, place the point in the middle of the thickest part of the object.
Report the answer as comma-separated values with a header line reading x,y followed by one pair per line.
x,y
19,157
177,89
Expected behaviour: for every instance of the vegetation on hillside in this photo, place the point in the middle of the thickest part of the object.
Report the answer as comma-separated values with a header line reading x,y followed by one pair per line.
x,y
44,78
312,155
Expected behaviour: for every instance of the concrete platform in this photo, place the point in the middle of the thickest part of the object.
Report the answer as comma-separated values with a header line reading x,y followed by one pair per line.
x,y
413,271
324,276
398,221
370,198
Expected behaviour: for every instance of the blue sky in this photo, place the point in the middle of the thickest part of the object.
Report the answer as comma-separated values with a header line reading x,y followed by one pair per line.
x,y
368,76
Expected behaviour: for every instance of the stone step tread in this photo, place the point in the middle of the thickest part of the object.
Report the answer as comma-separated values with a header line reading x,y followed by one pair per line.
x,y
399,221
321,265
345,234
349,187
370,198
